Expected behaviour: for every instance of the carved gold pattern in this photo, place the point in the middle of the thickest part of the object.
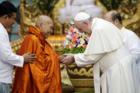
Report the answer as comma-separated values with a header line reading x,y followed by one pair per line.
x,y
81,72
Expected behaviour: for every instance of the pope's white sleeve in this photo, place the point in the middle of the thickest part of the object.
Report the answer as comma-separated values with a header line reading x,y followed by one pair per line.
x,y
82,60
133,43
6,54
136,41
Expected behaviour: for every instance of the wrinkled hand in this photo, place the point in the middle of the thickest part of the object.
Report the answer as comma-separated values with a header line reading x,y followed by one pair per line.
x,y
61,58
67,59
29,57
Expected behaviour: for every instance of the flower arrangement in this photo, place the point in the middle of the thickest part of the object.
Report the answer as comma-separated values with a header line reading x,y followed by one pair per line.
x,y
75,41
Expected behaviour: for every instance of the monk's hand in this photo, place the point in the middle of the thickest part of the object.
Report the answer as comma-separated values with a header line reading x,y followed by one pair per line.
x,y
29,57
68,59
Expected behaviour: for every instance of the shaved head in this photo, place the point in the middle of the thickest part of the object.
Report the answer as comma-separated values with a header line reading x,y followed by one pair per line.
x,y
43,18
45,24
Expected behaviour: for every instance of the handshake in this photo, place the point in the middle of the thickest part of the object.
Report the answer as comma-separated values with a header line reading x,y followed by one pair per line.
x,y
67,59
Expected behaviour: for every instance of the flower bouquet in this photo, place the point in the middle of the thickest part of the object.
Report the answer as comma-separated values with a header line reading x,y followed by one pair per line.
x,y
81,77
75,41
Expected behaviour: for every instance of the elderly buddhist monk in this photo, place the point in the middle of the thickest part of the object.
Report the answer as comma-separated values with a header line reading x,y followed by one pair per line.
x,y
43,75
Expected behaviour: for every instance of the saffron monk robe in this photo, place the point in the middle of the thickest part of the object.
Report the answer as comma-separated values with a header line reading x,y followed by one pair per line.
x,y
43,75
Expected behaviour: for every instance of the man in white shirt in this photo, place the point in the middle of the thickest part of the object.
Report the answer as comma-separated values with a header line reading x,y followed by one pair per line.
x,y
131,40
8,59
107,52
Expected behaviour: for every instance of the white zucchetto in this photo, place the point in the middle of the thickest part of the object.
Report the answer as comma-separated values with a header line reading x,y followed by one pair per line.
x,y
81,16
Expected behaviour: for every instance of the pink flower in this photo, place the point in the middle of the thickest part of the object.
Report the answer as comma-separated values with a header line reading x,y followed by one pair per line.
x,y
75,39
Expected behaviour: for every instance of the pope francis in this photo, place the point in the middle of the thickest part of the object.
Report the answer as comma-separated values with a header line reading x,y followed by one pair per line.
x,y
114,67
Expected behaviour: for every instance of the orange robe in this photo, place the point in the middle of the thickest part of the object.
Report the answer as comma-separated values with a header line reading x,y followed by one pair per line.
x,y
43,75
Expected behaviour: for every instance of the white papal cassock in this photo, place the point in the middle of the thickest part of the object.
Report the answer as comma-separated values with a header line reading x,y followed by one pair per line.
x,y
110,57
132,42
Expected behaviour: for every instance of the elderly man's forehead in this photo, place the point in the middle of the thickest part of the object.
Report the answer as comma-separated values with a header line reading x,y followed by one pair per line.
x,y
44,18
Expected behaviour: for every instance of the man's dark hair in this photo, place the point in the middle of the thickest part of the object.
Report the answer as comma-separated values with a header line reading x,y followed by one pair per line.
x,y
116,16
7,8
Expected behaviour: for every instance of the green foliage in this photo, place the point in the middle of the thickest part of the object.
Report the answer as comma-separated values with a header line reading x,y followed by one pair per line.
x,y
73,50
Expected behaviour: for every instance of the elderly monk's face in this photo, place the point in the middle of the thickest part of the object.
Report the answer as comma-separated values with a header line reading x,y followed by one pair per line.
x,y
82,26
47,27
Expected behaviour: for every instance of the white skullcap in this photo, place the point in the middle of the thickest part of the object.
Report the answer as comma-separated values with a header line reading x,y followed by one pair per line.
x,y
81,16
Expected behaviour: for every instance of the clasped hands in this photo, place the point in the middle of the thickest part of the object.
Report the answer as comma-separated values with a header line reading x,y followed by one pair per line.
x,y
66,59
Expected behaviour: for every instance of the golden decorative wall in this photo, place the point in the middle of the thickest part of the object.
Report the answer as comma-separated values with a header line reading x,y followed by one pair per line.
x,y
129,9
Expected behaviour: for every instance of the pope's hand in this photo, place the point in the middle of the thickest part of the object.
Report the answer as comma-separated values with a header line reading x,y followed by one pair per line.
x,y
61,57
68,59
